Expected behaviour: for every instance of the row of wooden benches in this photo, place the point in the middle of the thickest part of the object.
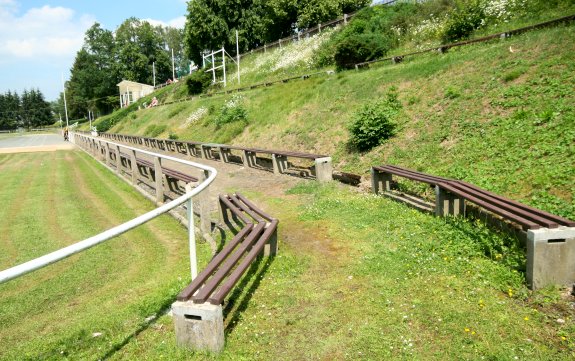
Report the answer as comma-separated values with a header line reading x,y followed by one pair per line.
x,y
451,195
170,178
199,323
550,239
248,156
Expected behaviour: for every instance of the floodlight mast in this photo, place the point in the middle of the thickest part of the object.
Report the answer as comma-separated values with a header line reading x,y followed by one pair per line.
x,y
65,105
238,55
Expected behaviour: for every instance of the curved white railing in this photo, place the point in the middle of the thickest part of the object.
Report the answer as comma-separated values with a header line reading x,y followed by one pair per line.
x,y
68,251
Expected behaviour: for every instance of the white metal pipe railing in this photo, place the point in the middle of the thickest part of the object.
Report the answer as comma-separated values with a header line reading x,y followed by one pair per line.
x,y
68,251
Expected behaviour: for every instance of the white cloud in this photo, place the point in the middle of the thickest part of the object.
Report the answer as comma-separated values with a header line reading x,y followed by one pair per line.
x,y
40,32
179,22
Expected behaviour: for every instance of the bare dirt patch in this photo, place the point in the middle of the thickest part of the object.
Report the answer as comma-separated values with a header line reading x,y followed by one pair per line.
x,y
42,148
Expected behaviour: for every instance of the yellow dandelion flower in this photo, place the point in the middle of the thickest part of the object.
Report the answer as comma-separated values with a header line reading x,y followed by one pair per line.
x,y
473,332
563,338
466,329
526,318
510,292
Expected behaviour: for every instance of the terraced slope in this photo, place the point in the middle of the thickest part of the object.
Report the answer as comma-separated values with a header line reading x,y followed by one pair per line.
x,y
499,115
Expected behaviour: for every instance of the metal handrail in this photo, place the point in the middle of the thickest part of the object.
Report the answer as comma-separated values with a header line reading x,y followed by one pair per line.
x,y
68,251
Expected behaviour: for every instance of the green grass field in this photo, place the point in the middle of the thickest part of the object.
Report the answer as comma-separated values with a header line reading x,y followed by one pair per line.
x,y
50,200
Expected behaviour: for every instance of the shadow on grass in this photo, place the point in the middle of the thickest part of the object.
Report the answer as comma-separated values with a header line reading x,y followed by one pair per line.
x,y
117,346
516,253
253,273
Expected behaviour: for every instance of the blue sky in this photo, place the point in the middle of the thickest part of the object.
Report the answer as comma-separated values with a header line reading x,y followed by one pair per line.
x,y
39,39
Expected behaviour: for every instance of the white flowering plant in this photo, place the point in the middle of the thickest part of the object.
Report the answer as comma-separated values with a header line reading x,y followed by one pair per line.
x,y
232,111
196,116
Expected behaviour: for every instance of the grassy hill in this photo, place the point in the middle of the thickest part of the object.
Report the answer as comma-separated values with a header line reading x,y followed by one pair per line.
x,y
498,114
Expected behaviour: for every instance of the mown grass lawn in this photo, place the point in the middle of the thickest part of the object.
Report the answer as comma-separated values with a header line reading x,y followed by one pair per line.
x,y
363,277
90,304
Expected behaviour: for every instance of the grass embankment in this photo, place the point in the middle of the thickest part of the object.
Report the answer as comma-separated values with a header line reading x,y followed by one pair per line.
x,y
50,200
499,115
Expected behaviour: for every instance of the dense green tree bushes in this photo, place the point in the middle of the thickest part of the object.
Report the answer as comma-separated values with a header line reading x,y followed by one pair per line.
x,y
211,24
107,58
28,111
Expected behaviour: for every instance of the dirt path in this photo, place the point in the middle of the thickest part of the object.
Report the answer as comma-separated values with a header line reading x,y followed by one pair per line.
x,y
34,143
269,189
236,178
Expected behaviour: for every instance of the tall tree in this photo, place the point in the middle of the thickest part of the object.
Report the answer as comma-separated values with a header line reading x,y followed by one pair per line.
x,y
211,24
34,110
174,40
138,46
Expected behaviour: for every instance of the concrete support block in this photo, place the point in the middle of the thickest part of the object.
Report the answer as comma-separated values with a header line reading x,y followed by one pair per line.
x,y
324,169
225,154
380,182
159,176
107,157
204,205
118,161
271,247
550,257
249,159
447,203
134,167
199,326
280,163
207,151
193,151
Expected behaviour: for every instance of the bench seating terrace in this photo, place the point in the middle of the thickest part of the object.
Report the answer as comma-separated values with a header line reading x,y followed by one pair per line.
x,y
322,168
550,238
197,312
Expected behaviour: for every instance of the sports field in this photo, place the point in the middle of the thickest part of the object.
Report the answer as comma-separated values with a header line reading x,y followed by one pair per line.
x,y
90,304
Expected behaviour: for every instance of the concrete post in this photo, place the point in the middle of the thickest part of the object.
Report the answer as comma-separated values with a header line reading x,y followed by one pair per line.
x,y
199,326
323,169
447,203
345,19
249,159
134,167
380,181
118,161
191,149
207,151
158,175
550,257
225,154
280,163
107,158
204,205
271,247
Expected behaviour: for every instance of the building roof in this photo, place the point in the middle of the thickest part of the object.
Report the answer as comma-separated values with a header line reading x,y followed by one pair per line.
x,y
125,83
